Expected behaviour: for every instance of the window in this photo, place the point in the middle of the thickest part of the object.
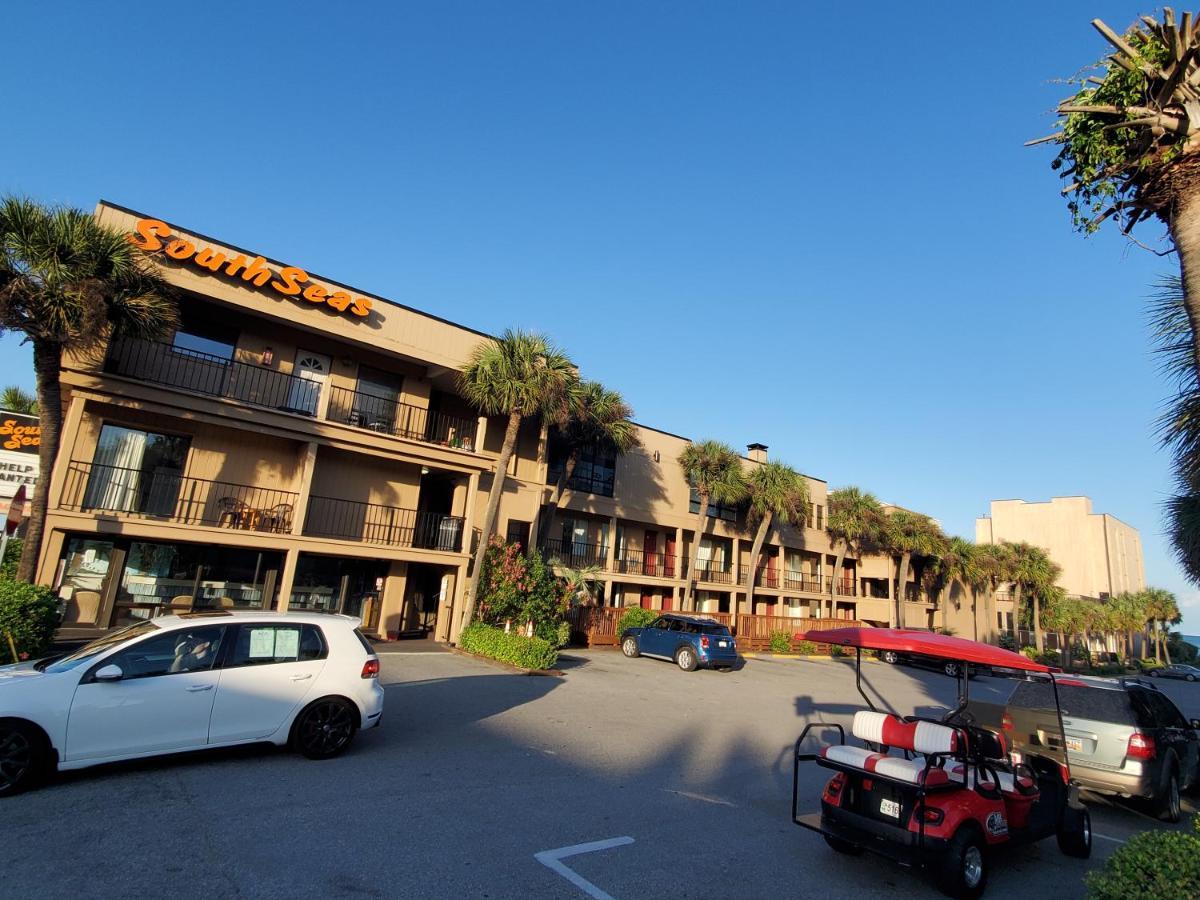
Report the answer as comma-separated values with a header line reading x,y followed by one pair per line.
x,y
192,343
518,533
375,399
264,644
197,576
136,471
180,650
721,511
595,469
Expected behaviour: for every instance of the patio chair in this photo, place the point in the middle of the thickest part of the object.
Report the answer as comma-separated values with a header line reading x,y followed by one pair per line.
x,y
233,512
278,518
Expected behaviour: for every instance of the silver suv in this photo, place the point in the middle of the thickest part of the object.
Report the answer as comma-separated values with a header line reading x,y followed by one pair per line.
x,y
1123,736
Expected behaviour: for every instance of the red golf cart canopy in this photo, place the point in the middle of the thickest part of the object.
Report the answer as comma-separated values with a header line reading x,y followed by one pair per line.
x,y
924,643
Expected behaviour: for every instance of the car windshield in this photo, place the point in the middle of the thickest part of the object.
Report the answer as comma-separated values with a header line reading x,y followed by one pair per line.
x,y
98,646
714,629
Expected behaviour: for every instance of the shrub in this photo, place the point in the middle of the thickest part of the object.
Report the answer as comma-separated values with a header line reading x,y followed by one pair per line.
x,y
29,613
781,641
635,617
563,636
1049,658
513,648
1008,642
1151,864
1147,664
1029,653
806,648
835,650
12,556
521,589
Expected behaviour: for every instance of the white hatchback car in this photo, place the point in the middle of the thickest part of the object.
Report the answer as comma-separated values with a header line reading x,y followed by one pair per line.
x,y
189,682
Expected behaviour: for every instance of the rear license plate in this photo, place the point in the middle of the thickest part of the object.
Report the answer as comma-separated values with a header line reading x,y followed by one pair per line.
x,y
1075,744
722,643
890,808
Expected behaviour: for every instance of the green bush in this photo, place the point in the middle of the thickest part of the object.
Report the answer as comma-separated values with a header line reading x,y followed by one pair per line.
x,y
521,588
1029,653
29,613
781,641
835,650
1147,664
806,648
515,649
635,617
1152,864
1008,642
1049,658
12,556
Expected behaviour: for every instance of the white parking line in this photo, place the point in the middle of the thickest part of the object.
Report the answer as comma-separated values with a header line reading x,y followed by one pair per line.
x,y
700,797
551,859
1105,837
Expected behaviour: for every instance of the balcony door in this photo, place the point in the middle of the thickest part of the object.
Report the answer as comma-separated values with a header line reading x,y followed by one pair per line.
x,y
136,471
309,374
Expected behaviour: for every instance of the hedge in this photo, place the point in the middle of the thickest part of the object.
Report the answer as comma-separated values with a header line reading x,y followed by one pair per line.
x,y
781,641
1153,864
515,649
636,617
29,613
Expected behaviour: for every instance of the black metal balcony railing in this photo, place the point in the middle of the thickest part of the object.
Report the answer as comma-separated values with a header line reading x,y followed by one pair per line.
x,y
216,376
576,554
802,581
847,588
639,562
211,375
764,576
363,410
713,573
169,494
373,523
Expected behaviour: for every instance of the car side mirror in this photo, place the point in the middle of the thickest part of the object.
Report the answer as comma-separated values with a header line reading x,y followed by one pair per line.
x,y
111,672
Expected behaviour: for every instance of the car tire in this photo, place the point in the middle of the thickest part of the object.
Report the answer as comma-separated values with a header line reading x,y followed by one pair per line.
x,y
1167,799
1189,677
324,728
685,658
951,669
1075,833
1153,673
889,656
629,647
24,757
962,869
842,846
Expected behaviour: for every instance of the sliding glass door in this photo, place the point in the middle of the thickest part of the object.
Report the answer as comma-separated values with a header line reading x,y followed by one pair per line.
x,y
136,471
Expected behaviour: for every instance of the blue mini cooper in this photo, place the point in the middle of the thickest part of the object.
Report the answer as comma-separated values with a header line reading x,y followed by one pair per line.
x,y
688,642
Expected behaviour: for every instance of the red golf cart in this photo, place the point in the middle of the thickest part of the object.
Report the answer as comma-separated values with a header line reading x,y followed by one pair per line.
x,y
938,793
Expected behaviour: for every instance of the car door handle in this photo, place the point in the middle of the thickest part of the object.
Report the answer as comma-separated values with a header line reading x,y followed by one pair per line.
x,y
199,687
302,677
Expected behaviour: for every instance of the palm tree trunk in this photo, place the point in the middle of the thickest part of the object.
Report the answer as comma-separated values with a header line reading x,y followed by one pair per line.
x,y
493,508
546,526
47,366
1037,622
837,574
759,538
1167,647
1016,595
975,612
945,600
901,584
1185,232
701,525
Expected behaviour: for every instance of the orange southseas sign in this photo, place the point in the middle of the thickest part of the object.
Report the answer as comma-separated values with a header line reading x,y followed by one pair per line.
x,y
153,235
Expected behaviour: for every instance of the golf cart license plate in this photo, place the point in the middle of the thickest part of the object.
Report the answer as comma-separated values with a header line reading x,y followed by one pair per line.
x,y
1075,744
890,808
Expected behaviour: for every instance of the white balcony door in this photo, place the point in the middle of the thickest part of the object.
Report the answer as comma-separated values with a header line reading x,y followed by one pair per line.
x,y
309,372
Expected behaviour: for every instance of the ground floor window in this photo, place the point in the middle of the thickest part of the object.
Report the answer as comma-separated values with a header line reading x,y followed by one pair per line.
x,y
336,584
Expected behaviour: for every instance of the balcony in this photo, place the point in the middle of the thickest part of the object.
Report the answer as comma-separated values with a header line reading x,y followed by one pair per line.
x,y
764,576
654,565
576,554
713,573
389,526
170,495
846,588
801,581
215,376
385,416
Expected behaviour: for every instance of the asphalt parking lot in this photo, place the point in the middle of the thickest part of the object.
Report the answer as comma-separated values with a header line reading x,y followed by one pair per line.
x,y
475,771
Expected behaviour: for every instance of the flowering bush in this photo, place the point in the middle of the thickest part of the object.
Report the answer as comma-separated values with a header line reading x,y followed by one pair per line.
x,y
29,615
521,588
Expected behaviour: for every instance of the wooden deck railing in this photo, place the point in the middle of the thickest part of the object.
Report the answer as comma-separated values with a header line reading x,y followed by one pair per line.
x,y
596,626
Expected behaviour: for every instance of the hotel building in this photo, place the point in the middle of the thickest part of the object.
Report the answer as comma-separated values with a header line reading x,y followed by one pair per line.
x,y
298,444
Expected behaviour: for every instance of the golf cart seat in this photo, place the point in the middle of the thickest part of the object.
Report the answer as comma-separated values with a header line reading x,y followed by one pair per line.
x,y
886,731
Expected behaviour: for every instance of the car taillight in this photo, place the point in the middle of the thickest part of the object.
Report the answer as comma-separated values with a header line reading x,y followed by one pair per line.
x,y
371,669
1006,722
1141,746
704,641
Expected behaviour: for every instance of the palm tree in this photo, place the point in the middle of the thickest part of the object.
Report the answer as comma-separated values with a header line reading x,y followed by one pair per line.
x,y
1034,574
777,494
714,470
67,283
519,375
1161,608
959,563
598,418
996,564
581,585
15,399
854,518
904,535
1128,616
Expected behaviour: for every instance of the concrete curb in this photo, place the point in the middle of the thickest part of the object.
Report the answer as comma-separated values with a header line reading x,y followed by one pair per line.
x,y
558,673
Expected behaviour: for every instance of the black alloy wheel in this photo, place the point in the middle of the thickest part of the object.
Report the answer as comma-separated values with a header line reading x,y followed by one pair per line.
x,y
325,729
21,757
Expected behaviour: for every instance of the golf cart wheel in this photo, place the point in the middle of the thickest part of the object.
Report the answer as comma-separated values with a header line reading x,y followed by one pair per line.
x,y
842,846
630,648
1166,801
23,757
889,656
962,870
1075,833
685,658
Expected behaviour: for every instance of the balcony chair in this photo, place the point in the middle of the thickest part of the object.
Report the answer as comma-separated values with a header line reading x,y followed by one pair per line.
x,y
234,513
277,519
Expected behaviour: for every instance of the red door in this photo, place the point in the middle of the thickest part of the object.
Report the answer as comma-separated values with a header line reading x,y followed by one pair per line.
x,y
647,599
668,600
650,553
669,558
771,581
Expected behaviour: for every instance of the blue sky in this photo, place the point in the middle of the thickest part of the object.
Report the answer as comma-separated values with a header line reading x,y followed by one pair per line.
x,y
768,222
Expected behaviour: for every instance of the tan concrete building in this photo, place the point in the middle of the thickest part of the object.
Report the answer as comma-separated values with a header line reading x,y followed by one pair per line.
x,y
1100,555
300,444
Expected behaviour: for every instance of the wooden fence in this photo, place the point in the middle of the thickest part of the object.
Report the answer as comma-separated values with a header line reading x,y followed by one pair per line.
x,y
596,626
